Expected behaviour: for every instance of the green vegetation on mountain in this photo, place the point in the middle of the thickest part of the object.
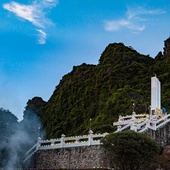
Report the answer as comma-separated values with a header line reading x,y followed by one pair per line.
x,y
104,91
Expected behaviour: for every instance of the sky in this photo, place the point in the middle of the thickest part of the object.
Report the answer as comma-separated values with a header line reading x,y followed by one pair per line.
x,y
41,40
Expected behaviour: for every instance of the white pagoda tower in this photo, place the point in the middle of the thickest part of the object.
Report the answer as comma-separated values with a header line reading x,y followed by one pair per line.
x,y
155,93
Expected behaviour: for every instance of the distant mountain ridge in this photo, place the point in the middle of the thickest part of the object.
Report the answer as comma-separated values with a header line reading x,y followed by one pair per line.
x,y
102,92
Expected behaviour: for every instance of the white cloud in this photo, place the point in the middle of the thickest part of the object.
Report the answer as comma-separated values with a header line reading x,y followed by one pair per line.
x,y
42,36
134,20
134,13
115,25
26,12
35,13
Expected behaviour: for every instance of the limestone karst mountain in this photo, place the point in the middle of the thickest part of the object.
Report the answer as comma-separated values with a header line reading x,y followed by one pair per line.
x,y
95,95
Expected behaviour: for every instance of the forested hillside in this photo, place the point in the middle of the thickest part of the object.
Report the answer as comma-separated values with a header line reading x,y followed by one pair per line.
x,y
104,91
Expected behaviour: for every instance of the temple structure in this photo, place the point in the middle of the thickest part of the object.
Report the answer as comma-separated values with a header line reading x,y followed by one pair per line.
x,y
154,119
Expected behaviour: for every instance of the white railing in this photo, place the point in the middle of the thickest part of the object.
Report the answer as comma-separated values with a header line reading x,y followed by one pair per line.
x,y
142,125
124,127
30,152
65,142
162,122
75,141
156,124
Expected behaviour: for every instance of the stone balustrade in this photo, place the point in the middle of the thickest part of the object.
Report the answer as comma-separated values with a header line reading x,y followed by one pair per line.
x,y
66,142
74,141
141,125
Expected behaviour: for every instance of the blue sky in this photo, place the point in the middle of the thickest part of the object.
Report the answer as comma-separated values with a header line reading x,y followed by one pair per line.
x,y
41,40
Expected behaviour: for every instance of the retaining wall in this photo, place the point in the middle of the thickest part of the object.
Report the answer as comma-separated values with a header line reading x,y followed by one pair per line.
x,y
83,157
161,135
86,157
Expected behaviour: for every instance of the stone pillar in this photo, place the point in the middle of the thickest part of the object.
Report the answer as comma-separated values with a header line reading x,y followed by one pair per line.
x,y
90,138
38,143
62,140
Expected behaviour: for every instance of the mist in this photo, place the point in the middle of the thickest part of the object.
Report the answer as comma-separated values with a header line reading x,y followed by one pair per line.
x,y
21,138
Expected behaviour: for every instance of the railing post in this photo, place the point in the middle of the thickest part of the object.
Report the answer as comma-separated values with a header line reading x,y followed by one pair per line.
x,y
38,143
155,126
90,138
62,140
52,143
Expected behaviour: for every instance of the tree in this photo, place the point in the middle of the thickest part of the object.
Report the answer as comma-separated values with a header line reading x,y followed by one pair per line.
x,y
129,150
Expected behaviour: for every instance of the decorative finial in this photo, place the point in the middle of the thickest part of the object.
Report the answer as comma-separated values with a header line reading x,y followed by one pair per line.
x,y
133,106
